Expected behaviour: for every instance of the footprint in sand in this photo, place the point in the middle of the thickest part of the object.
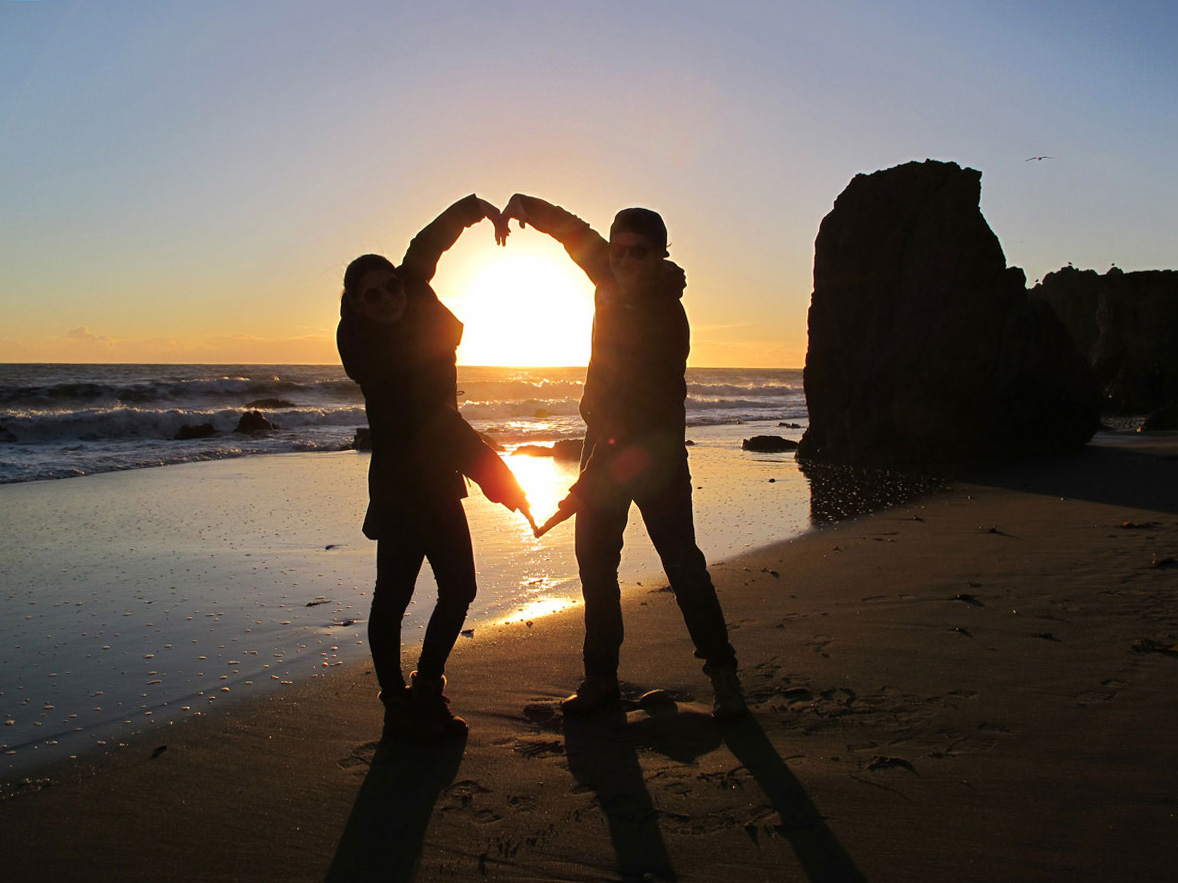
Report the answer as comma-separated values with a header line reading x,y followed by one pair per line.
x,y
819,645
361,756
1149,645
793,699
545,716
985,739
521,802
460,797
768,674
466,790
880,762
730,780
1107,692
534,748
994,728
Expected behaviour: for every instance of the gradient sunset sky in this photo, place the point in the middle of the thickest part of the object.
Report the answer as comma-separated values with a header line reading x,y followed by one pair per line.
x,y
186,181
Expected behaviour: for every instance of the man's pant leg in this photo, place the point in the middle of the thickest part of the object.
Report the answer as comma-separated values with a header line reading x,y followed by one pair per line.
x,y
671,525
599,530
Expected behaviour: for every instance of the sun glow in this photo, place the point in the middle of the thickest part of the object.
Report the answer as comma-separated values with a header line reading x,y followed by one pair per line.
x,y
546,481
525,310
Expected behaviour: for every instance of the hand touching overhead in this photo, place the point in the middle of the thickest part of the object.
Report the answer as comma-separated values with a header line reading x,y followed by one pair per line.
x,y
515,209
502,231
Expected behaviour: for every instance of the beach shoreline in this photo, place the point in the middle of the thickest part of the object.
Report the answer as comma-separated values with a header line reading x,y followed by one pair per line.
x,y
976,685
137,598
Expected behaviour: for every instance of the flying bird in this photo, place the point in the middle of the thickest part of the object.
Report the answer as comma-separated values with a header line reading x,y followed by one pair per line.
x,y
1029,158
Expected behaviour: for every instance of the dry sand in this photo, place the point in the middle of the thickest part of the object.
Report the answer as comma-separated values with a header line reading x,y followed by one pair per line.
x,y
981,685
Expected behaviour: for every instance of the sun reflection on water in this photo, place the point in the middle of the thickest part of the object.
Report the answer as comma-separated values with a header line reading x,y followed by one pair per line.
x,y
545,480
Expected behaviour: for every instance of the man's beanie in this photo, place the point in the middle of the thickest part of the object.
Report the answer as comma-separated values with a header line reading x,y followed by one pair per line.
x,y
643,222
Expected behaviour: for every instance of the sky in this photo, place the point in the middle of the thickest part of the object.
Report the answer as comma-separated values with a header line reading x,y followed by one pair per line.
x,y
186,181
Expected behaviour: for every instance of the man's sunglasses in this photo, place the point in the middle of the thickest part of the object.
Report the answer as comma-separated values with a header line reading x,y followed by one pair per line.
x,y
638,252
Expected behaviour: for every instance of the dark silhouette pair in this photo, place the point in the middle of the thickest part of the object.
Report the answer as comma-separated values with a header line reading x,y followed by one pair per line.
x,y
398,341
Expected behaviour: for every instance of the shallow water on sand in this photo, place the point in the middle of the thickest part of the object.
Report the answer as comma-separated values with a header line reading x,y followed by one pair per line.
x,y
133,599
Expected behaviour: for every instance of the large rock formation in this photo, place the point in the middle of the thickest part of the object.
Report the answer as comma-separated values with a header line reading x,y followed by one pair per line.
x,y
924,347
1126,324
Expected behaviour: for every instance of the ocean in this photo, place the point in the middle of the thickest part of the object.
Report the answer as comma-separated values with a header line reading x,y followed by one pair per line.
x,y
62,421
133,600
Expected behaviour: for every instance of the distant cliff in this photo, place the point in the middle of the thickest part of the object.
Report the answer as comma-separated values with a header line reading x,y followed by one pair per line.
x,y
923,346
1126,325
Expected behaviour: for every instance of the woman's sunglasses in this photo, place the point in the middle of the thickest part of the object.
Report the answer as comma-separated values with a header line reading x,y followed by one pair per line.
x,y
393,286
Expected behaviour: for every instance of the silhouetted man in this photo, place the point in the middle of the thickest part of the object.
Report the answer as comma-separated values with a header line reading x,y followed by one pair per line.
x,y
633,407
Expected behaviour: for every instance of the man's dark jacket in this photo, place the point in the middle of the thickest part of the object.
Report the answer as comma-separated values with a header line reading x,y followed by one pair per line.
x,y
633,403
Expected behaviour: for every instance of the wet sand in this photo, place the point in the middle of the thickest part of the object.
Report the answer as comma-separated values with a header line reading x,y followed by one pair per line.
x,y
979,685
136,599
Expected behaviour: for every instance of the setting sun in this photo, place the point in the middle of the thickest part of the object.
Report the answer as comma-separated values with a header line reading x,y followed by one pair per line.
x,y
524,309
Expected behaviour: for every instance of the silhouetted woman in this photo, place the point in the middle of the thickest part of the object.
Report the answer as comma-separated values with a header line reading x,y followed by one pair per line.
x,y
398,341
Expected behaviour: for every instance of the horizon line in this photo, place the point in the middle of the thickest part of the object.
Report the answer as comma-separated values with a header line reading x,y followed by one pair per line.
x,y
337,364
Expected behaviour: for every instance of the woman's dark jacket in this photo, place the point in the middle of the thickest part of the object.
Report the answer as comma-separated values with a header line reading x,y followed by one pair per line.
x,y
421,445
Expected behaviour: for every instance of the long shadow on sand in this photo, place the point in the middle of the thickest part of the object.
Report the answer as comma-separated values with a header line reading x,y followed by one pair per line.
x,y
602,757
386,830
821,855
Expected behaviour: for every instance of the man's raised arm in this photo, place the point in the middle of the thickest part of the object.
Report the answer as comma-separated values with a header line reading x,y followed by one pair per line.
x,y
584,245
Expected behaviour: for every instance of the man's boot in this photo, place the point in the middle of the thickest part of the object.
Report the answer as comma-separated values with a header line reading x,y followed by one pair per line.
x,y
596,692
